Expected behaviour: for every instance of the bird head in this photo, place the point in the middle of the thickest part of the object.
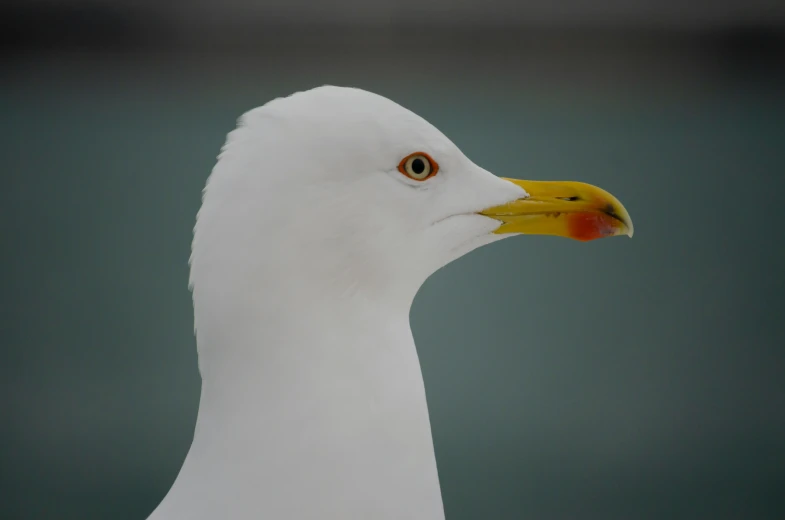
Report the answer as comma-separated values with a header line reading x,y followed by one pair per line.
x,y
354,187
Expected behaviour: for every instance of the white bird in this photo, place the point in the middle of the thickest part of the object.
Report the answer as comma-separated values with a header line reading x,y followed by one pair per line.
x,y
325,213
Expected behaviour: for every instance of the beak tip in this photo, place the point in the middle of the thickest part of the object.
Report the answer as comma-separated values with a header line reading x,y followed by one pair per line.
x,y
628,225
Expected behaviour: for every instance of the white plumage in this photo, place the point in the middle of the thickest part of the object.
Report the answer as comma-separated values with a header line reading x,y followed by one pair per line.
x,y
308,251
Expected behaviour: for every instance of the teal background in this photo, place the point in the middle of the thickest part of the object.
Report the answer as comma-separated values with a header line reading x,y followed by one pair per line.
x,y
621,378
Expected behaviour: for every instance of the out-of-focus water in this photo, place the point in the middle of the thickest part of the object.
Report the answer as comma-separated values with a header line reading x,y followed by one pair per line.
x,y
615,379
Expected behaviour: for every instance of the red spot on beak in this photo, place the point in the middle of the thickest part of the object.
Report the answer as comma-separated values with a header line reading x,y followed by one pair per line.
x,y
591,226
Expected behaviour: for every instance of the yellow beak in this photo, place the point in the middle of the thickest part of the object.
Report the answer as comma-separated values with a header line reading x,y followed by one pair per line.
x,y
565,209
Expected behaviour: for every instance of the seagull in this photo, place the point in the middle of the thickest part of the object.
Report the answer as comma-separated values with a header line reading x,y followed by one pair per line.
x,y
323,215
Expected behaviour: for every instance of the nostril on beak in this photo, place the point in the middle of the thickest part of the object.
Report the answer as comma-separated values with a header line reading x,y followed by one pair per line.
x,y
569,199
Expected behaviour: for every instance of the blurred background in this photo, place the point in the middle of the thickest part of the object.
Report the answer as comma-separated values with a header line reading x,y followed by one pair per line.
x,y
639,378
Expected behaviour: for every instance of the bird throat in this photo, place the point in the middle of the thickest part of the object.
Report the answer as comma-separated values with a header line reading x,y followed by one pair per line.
x,y
323,416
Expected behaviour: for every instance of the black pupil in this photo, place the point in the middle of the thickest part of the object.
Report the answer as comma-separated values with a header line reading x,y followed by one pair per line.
x,y
418,166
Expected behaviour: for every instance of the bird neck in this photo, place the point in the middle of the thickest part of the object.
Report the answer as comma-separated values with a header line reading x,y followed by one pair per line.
x,y
323,416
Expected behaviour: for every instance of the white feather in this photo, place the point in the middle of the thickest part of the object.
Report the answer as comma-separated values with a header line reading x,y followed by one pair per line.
x,y
308,250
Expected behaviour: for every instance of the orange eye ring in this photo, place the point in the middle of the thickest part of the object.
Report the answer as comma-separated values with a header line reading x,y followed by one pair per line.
x,y
418,166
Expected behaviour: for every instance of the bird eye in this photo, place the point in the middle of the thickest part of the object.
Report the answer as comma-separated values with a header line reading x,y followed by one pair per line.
x,y
418,166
